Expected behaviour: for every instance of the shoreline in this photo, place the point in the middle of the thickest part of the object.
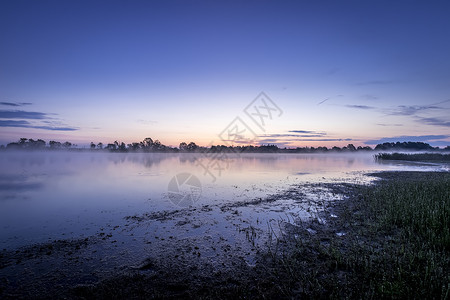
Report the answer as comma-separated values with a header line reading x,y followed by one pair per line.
x,y
314,258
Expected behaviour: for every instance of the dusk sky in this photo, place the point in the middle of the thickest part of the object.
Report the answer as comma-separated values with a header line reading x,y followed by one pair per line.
x,y
341,72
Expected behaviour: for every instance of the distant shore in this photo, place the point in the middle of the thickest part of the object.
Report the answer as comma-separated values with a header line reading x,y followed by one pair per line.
x,y
148,145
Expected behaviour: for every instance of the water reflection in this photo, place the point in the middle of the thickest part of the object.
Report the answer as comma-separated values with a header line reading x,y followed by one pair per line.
x,y
73,194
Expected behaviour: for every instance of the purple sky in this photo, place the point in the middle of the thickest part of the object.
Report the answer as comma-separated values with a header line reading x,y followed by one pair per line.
x,y
340,72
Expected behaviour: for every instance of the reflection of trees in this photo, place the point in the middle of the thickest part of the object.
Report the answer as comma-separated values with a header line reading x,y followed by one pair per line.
x,y
18,183
187,158
148,160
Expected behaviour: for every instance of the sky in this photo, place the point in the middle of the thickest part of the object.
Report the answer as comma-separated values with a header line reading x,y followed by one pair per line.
x,y
291,73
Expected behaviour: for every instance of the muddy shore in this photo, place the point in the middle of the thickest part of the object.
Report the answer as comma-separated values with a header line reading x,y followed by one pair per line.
x,y
298,258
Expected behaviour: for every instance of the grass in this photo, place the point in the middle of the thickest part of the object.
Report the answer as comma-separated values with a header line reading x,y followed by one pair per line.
x,y
436,157
397,244
414,209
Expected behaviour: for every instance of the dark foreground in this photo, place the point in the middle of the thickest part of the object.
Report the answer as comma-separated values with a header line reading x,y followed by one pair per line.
x,y
389,240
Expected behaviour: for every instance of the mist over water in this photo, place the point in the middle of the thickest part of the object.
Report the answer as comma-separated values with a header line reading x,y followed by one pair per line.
x,y
58,195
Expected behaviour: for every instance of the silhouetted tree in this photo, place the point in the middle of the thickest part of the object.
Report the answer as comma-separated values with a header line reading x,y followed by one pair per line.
x,y
147,144
134,146
191,147
14,146
54,145
404,146
366,148
183,146
351,147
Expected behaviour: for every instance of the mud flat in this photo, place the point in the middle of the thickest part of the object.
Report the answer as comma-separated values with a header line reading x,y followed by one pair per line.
x,y
389,239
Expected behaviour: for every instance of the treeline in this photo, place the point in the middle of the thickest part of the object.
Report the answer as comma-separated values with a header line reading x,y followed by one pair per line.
x,y
406,146
30,144
150,145
435,157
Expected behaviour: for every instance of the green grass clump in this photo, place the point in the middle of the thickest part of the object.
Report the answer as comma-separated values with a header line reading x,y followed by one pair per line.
x,y
413,211
397,244
438,157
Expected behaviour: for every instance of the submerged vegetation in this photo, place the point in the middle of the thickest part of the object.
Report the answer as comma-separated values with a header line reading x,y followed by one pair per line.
x,y
437,157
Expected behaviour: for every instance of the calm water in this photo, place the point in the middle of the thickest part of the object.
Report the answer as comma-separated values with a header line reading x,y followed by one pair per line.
x,y
58,195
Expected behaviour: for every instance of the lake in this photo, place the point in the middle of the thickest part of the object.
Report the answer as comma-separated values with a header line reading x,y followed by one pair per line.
x,y
53,195
135,205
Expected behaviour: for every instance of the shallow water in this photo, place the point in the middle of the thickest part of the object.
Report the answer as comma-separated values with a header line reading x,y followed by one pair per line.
x,y
59,195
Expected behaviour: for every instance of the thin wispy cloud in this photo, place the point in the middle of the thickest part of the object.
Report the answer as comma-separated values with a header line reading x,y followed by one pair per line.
x,y
389,125
329,98
308,132
146,122
416,112
332,71
435,121
359,106
281,135
323,101
295,136
410,110
288,141
376,82
26,124
21,114
39,120
369,97
15,103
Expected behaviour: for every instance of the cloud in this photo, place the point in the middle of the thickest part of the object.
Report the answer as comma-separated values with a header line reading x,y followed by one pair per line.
x,y
410,110
20,114
45,121
332,71
376,82
360,106
381,124
301,131
294,134
15,103
147,122
408,138
435,121
403,110
12,123
26,124
369,97
277,135
326,99
288,141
